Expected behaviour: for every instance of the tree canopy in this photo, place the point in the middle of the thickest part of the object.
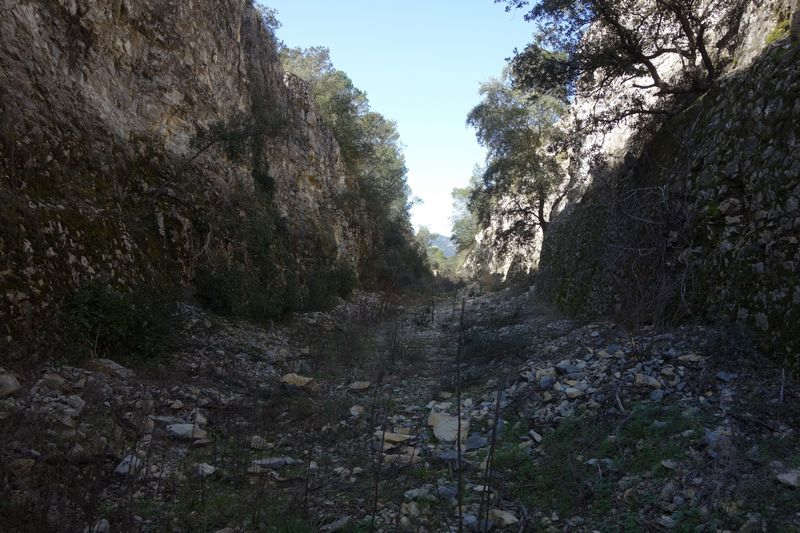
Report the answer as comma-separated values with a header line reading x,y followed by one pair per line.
x,y
465,224
524,178
636,41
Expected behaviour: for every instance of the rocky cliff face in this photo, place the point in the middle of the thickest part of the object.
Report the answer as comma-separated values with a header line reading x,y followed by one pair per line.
x,y
704,221
132,138
611,145
516,258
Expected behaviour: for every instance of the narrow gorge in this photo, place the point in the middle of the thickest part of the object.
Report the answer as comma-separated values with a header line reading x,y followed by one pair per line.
x,y
221,311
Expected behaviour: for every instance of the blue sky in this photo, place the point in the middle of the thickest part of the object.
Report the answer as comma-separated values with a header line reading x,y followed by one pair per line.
x,y
420,63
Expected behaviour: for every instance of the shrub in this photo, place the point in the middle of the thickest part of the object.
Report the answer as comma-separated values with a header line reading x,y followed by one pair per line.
x,y
232,291
780,31
103,321
326,284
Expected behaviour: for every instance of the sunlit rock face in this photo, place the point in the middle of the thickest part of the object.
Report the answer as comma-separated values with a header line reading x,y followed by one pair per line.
x,y
100,102
608,147
703,220
515,258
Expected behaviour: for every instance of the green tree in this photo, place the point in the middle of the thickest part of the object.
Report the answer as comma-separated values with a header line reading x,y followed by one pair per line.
x,y
269,17
525,179
465,221
424,237
588,47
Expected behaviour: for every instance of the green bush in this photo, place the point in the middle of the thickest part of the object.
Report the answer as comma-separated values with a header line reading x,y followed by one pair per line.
x,y
327,284
232,291
102,321
780,31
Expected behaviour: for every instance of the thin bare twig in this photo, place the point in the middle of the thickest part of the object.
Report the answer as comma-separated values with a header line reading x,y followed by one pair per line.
x,y
377,473
458,414
484,507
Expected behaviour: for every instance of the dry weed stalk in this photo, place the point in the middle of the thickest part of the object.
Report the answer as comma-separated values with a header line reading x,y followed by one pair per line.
x,y
460,491
378,464
483,510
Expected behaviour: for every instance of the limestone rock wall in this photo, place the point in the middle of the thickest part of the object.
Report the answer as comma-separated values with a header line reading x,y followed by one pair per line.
x,y
611,146
515,259
705,221
100,101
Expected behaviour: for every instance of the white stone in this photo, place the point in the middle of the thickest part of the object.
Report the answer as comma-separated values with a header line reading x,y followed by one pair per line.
x,y
8,385
297,380
359,386
791,478
204,469
645,380
445,427
502,518
110,368
186,431
129,466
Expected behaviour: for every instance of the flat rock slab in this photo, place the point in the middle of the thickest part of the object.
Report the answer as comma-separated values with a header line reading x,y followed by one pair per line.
x,y
408,455
791,478
129,466
393,438
204,470
648,381
8,385
109,368
337,525
276,462
296,380
265,465
359,386
475,442
186,431
502,518
445,427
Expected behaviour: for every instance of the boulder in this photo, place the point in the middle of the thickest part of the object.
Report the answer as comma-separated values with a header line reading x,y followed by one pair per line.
x,y
445,427
8,385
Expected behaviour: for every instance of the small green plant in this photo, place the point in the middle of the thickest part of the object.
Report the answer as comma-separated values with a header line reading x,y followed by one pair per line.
x,y
562,479
486,344
326,284
780,31
102,321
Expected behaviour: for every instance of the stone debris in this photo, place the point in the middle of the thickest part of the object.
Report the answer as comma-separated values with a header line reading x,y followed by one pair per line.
x,y
101,526
187,431
337,525
359,386
8,384
296,380
392,438
204,470
445,426
646,380
669,464
53,381
791,478
129,466
407,455
258,442
262,429
275,462
110,368
502,518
